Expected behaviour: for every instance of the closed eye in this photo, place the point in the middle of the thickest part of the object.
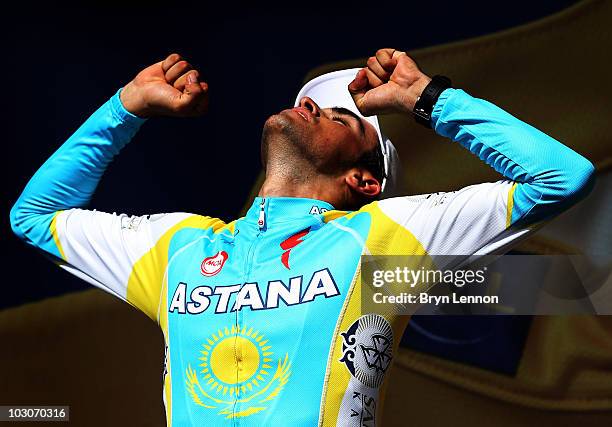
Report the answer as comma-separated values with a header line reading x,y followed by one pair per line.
x,y
339,119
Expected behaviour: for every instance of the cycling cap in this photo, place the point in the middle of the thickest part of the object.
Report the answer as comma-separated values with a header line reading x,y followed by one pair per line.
x,y
331,90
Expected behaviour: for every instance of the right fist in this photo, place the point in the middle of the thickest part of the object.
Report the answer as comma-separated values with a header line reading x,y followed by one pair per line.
x,y
391,82
168,88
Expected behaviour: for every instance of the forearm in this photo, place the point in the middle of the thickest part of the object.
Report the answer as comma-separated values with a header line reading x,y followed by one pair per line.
x,y
550,176
70,176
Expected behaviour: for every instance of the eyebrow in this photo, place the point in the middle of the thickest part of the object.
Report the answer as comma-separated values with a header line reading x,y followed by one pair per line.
x,y
347,112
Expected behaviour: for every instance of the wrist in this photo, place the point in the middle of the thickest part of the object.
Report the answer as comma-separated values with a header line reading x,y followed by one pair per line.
x,y
425,104
132,101
123,115
414,92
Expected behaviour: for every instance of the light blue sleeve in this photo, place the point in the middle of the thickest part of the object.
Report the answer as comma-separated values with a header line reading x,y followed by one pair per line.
x,y
70,176
549,176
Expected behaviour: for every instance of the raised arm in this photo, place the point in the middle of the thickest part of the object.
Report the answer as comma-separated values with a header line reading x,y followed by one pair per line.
x,y
548,176
543,176
99,247
70,176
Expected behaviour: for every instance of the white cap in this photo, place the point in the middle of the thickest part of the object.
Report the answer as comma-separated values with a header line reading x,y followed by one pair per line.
x,y
331,90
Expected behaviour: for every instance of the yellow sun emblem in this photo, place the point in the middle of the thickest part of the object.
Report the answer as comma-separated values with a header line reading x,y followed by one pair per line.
x,y
236,366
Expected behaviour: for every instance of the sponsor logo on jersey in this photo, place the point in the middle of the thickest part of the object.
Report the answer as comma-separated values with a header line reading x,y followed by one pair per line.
x,y
316,210
131,223
297,290
237,387
290,243
165,372
213,264
367,348
363,410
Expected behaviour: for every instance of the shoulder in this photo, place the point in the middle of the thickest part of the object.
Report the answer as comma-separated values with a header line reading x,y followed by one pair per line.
x,y
173,223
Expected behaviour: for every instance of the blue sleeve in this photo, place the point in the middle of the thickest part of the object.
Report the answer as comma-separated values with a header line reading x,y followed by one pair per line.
x,y
549,176
70,176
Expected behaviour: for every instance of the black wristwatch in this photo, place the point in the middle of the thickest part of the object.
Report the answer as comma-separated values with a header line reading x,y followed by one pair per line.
x,y
425,103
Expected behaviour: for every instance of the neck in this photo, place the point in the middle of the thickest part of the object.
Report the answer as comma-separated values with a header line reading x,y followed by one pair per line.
x,y
321,188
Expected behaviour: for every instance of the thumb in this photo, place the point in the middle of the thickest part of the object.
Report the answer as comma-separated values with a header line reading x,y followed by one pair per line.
x,y
358,87
192,86
192,96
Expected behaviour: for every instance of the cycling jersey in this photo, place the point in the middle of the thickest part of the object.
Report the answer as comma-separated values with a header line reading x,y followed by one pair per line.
x,y
261,316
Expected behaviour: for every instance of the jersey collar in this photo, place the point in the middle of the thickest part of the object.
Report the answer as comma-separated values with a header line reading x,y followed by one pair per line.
x,y
284,209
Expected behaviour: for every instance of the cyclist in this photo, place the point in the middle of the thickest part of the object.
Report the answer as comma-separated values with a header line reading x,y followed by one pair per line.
x,y
261,316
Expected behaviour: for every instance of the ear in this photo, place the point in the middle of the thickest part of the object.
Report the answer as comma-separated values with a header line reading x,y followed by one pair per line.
x,y
363,182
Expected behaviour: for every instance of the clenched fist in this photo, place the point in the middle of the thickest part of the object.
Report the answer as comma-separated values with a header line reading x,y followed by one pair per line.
x,y
390,83
168,88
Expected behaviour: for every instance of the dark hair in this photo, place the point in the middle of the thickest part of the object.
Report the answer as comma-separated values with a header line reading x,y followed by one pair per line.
x,y
373,160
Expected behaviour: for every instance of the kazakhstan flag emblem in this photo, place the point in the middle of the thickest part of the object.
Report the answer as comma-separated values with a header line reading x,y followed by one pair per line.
x,y
237,367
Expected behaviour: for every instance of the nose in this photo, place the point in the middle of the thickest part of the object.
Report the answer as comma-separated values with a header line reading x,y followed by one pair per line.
x,y
310,105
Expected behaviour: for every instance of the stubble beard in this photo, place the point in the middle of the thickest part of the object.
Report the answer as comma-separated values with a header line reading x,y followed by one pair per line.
x,y
285,150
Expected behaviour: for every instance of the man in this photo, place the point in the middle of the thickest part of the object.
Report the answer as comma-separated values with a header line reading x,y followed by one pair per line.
x,y
261,316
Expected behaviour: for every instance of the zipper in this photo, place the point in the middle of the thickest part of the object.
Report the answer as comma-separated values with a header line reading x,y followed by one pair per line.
x,y
261,223
262,215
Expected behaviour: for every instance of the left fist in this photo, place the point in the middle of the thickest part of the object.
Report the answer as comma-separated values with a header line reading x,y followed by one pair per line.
x,y
171,87
391,83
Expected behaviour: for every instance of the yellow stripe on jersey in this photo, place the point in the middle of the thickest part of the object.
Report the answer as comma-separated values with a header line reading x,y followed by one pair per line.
x,y
385,237
145,283
331,215
510,205
53,230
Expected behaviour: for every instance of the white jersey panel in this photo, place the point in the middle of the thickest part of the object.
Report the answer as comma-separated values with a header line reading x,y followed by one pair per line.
x,y
102,248
454,223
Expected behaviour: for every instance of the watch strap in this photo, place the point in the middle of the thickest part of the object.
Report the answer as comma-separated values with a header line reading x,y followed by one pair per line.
x,y
425,103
